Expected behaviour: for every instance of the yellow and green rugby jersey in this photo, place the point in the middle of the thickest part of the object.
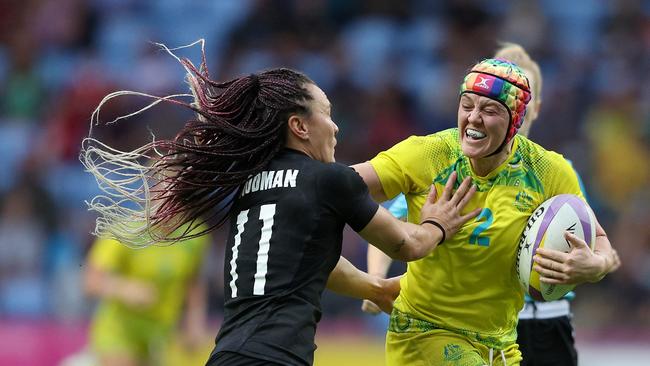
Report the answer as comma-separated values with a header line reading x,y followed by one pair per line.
x,y
169,268
469,283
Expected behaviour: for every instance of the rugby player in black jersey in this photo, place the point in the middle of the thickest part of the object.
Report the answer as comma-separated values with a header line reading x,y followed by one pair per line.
x,y
261,154
286,227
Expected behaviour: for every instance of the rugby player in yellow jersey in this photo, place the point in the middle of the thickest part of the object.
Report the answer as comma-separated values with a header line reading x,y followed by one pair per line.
x,y
459,305
142,294
544,332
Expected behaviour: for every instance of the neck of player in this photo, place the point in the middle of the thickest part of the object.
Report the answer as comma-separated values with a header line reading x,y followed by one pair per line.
x,y
485,165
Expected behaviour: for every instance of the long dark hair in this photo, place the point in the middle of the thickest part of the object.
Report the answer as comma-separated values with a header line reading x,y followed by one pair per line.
x,y
240,126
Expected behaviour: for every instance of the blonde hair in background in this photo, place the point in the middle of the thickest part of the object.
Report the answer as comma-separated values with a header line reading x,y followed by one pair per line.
x,y
516,53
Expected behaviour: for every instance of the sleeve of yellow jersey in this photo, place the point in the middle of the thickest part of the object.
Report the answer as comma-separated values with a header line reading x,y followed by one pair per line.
x,y
107,254
564,178
404,168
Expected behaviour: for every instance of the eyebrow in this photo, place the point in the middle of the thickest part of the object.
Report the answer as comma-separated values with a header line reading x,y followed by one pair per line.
x,y
491,103
487,103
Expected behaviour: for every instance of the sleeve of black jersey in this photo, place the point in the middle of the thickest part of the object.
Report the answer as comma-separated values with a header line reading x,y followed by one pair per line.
x,y
345,192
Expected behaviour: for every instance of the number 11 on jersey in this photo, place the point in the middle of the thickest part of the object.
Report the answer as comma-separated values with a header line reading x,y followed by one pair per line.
x,y
267,212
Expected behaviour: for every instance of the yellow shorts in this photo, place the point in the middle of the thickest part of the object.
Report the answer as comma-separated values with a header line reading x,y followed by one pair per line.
x,y
115,332
442,347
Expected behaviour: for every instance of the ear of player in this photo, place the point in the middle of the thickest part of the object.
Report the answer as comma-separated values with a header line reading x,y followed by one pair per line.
x,y
446,212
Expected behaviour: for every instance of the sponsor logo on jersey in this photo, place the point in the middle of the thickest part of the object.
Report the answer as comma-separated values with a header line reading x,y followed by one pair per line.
x,y
269,179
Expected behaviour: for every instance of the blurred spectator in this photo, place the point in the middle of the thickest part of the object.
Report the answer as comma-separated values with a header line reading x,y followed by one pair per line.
x,y
23,236
633,284
69,119
22,96
612,128
388,118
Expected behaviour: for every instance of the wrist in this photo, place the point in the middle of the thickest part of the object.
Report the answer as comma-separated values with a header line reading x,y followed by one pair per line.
x,y
437,226
603,267
376,288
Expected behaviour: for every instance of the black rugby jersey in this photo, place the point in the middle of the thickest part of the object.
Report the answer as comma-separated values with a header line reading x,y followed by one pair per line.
x,y
286,228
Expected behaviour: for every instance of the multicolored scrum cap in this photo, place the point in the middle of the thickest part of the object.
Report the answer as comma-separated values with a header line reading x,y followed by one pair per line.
x,y
503,81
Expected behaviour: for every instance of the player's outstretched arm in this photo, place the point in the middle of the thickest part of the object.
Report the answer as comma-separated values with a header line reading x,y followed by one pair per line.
x,y
103,284
580,264
348,280
193,327
378,262
440,218
378,265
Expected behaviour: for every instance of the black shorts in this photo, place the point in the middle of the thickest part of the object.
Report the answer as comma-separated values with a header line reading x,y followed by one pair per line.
x,y
236,359
547,342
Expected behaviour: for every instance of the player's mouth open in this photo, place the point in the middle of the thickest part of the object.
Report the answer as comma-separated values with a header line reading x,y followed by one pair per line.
x,y
474,134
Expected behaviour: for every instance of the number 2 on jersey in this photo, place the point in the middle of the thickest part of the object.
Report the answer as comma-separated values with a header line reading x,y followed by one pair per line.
x,y
476,237
267,212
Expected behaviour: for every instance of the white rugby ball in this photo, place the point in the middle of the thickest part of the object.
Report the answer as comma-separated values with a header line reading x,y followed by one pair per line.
x,y
545,229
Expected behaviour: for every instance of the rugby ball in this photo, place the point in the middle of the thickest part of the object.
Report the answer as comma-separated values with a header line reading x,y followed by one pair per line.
x,y
545,229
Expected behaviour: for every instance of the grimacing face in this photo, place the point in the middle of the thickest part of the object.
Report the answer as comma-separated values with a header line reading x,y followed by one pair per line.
x,y
322,130
482,125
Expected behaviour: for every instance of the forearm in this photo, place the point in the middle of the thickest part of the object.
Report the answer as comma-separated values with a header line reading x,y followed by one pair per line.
x,y
348,280
603,249
102,284
378,262
196,307
420,241
401,240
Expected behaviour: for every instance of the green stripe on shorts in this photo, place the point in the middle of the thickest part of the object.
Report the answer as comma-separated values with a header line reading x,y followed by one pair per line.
x,y
404,323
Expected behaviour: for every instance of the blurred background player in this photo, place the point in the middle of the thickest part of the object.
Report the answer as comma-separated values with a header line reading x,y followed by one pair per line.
x,y
544,332
146,297
440,315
